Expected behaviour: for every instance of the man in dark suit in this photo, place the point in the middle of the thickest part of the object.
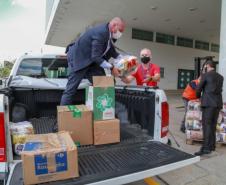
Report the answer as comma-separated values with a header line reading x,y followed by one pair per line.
x,y
88,56
210,86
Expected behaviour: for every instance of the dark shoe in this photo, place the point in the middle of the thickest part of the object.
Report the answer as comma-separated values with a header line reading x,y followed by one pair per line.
x,y
182,128
202,152
212,149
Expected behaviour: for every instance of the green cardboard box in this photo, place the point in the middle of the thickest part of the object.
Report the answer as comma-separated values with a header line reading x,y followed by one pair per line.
x,y
101,98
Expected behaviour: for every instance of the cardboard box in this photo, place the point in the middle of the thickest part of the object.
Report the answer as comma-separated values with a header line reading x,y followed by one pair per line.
x,y
49,157
106,132
77,120
101,98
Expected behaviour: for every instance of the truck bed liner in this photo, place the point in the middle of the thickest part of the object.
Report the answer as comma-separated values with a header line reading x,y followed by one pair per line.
x,y
43,125
101,163
129,132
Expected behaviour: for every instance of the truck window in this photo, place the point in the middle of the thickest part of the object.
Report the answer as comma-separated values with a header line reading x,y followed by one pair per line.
x,y
44,68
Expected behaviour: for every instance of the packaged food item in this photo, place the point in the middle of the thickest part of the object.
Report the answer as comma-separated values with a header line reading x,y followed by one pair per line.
x,y
24,127
193,122
19,131
189,124
194,105
220,117
194,115
127,65
221,137
197,125
194,135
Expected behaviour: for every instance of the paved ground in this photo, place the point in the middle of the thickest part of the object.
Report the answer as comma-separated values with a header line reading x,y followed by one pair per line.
x,y
211,170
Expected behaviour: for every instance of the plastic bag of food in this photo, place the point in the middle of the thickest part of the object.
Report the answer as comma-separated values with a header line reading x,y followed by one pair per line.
x,y
197,125
126,65
189,124
221,137
194,105
194,135
19,132
21,127
194,115
221,127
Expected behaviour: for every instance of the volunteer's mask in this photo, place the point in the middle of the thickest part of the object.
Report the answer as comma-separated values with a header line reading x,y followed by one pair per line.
x,y
116,35
145,59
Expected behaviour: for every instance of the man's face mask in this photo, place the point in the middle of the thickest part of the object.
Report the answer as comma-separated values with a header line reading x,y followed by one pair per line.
x,y
145,59
116,35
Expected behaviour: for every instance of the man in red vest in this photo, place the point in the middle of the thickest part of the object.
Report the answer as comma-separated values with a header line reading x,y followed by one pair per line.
x,y
147,73
189,94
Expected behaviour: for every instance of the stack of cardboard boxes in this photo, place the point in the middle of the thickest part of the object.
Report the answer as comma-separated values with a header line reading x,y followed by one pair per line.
x,y
100,98
93,123
51,157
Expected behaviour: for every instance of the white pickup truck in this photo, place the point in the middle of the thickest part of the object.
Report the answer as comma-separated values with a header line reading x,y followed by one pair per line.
x,y
32,93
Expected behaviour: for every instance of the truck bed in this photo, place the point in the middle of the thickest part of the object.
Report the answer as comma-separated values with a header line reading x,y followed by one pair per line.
x,y
114,164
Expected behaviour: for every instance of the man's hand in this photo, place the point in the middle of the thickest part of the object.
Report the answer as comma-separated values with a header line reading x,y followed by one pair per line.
x,y
115,72
147,79
106,65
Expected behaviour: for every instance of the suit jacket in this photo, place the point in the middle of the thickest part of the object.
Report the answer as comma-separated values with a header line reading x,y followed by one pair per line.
x,y
95,45
211,85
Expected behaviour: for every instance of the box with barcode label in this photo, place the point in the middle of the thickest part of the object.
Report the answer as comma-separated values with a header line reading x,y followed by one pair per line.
x,y
49,157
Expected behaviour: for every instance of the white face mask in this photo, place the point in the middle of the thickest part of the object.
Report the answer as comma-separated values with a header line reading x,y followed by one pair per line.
x,y
117,35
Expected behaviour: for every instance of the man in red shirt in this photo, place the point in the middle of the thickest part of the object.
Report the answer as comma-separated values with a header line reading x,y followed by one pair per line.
x,y
147,73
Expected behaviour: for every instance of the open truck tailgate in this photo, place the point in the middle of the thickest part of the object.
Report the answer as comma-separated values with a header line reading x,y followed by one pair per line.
x,y
120,164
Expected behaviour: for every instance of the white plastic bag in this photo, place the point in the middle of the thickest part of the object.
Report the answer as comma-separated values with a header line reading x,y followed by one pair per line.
x,y
19,131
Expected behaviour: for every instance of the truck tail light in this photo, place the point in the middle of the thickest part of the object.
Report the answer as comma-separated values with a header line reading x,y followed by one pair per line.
x,y
165,119
2,138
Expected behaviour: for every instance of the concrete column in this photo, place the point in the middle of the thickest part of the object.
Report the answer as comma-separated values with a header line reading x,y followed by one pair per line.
x,y
222,58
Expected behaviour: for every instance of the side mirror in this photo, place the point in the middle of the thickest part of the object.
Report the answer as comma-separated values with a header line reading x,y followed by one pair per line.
x,y
1,82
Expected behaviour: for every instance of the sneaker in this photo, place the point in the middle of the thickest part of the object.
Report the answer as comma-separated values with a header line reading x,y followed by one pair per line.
x,y
213,149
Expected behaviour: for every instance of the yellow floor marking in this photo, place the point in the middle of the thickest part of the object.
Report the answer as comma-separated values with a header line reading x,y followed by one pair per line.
x,y
151,181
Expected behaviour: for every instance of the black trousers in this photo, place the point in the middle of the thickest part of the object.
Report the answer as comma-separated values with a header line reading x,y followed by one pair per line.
x,y
74,79
209,121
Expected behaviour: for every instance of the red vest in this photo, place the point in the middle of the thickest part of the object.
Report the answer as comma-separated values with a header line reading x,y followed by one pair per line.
x,y
190,93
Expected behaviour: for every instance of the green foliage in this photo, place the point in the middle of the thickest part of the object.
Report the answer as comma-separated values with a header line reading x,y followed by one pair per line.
x,y
4,72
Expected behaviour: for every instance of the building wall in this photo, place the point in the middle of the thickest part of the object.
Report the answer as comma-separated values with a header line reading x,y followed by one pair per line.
x,y
170,57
